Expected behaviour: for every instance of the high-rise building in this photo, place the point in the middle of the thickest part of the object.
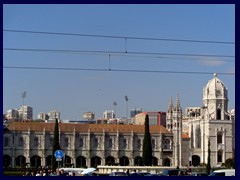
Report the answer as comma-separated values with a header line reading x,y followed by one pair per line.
x,y
53,115
88,115
12,114
134,112
43,116
25,112
108,114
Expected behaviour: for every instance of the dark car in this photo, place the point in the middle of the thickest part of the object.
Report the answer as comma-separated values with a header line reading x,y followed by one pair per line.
x,y
118,174
170,172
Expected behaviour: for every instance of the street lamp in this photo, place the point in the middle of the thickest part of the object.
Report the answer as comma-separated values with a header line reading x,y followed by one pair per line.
x,y
115,104
23,96
126,99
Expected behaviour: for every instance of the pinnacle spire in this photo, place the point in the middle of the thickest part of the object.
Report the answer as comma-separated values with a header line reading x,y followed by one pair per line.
x,y
170,105
177,103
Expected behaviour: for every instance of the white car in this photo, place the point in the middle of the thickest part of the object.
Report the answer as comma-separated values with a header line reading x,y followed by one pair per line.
x,y
223,172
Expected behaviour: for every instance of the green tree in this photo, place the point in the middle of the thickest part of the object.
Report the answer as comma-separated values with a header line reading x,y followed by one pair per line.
x,y
230,163
208,166
55,145
147,144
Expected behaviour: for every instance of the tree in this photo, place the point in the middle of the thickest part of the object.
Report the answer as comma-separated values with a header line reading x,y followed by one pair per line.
x,y
208,166
147,145
55,145
230,163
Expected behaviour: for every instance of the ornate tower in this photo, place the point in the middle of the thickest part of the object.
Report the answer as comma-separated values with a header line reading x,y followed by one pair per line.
x,y
174,125
215,99
169,123
217,125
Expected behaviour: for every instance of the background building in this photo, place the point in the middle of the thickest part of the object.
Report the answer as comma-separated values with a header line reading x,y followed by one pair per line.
x,y
25,112
84,144
109,114
155,118
12,114
134,112
88,116
43,116
53,115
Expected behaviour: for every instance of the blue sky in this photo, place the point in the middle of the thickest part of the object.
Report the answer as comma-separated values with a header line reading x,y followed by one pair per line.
x,y
73,92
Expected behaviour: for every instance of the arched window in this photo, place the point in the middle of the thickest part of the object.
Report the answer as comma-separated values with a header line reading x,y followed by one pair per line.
x,y
219,138
66,142
35,142
166,144
81,142
198,137
6,141
50,141
124,143
219,156
20,142
153,144
138,143
219,114
110,143
95,142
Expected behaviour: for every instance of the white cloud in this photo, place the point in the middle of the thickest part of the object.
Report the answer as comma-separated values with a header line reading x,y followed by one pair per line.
x,y
211,62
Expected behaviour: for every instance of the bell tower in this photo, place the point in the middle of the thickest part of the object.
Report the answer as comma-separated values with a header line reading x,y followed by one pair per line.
x,y
174,125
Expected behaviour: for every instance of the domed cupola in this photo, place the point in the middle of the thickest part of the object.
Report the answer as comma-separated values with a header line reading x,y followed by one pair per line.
x,y
215,89
215,99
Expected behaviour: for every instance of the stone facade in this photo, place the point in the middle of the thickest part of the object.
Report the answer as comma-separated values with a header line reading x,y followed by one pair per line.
x,y
84,144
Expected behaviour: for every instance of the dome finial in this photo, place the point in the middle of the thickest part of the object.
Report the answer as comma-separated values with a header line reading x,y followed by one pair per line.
x,y
215,74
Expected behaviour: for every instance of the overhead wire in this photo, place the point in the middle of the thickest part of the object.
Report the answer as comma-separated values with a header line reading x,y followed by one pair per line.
x,y
115,52
119,37
114,70
160,55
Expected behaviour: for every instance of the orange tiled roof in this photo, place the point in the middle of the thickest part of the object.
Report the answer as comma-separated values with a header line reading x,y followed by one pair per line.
x,y
68,127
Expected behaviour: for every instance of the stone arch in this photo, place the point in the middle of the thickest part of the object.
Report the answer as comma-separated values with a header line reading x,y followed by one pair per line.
x,y
49,160
7,161
154,161
95,161
110,160
166,162
195,160
81,161
138,161
124,161
68,161
35,161
20,160
6,142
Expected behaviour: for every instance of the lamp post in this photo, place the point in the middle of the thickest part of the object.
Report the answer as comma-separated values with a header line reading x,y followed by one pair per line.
x,y
115,104
126,99
23,96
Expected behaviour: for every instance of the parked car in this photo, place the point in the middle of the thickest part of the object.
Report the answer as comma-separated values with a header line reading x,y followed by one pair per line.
x,y
199,174
170,172
118,173
223,172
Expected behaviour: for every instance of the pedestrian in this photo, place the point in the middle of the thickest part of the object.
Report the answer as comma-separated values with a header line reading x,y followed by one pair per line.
x,y
180,173
128,172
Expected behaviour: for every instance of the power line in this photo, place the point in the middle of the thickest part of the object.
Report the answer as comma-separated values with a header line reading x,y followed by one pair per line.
x,y
120,37
113,70
116,52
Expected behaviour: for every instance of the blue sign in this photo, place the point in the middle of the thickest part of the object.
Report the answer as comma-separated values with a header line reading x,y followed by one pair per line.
x,y
58,154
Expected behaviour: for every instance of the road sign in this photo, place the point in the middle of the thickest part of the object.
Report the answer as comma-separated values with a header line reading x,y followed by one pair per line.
x,y
58,154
